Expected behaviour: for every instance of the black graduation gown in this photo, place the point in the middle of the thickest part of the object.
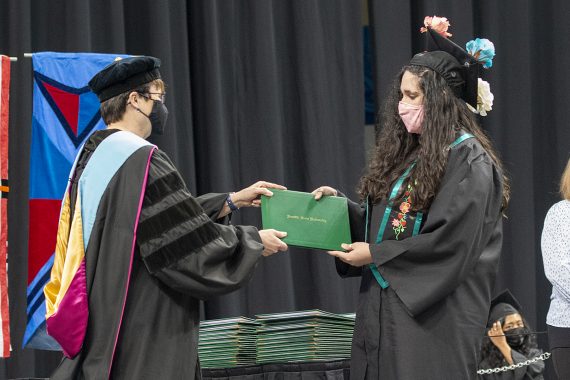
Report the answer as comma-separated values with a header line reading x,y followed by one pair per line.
x,y
181,256
429,322
531,372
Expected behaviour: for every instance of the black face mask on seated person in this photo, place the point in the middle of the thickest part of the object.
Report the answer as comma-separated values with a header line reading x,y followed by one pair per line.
x,y
514,337
158,116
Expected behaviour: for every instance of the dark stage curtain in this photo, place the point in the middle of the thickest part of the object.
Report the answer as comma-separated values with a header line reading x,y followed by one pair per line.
x,y
278,93
528,123
257,89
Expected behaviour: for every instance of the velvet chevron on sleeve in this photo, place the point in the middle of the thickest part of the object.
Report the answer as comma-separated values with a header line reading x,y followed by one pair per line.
x,y
172,224
181,244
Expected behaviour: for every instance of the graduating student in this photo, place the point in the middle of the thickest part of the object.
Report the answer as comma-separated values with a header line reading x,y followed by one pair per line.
x,y
428,232
509,341
135,250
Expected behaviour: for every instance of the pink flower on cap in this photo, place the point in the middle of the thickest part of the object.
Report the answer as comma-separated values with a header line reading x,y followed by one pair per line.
x,y
438,24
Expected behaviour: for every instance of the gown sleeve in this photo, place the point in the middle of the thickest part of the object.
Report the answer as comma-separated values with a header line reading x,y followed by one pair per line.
x,y
182,246
212,204
484,364
530,371
357,218
464,222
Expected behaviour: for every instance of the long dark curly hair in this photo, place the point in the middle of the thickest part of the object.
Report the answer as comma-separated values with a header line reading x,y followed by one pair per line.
x,y
445,116
491,354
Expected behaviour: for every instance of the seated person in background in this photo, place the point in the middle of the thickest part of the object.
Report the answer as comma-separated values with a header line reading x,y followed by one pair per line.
x,y
509,342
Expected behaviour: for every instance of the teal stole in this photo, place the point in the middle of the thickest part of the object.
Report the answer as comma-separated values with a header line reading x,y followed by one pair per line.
x,y
419,216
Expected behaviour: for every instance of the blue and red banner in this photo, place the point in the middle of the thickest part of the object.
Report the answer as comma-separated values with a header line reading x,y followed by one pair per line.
x,y
65,113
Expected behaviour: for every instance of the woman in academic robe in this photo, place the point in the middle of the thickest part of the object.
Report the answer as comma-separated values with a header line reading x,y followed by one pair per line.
x,y
427,231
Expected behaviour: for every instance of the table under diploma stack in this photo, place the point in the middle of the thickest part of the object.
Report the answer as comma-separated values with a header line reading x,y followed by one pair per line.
x,y
311,335
227,342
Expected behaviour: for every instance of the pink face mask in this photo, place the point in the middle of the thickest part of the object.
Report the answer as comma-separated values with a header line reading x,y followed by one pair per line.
x,y
412,116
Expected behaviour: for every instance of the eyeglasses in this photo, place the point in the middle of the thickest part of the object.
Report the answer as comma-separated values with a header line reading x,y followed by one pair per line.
x,y
161,94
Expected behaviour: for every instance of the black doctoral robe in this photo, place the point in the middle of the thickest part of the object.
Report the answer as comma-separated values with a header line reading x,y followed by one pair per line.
x,y
181,256
428,324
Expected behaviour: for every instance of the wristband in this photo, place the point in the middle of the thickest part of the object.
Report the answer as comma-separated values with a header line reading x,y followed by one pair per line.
x,y
231,204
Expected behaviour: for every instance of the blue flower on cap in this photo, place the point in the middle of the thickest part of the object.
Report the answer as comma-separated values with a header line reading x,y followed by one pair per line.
x,y
482,50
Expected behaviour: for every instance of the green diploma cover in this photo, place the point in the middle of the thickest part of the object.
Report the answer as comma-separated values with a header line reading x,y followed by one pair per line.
x,y
309,223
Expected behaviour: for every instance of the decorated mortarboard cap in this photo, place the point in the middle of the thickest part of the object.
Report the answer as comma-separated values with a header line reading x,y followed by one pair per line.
x,y
435,41
124,75
502,305
445,65
461,73
459,67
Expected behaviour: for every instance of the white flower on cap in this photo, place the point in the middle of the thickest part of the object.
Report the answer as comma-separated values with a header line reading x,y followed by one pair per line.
x,y
484,98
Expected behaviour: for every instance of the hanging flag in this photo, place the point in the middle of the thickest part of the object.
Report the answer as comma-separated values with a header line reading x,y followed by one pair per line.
x,y
65,113
4,190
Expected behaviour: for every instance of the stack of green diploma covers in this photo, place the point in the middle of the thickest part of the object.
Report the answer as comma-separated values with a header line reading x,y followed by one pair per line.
x,y
309,223
227,342
312,335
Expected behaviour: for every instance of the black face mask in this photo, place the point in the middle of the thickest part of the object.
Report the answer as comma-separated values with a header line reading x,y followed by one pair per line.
x,y
158,116
514,339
